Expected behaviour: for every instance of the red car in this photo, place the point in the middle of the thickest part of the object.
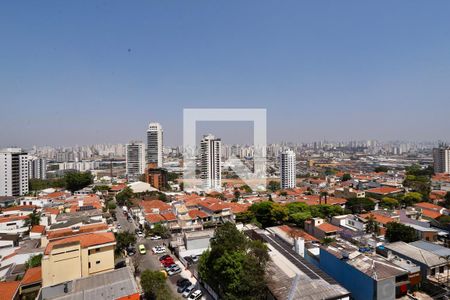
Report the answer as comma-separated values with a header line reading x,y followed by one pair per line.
x,y
167,263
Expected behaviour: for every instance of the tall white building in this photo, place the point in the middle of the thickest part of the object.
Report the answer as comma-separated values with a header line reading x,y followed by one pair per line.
x,y
135,160
37,167
287,169
441,158
210,162
155,144
13,172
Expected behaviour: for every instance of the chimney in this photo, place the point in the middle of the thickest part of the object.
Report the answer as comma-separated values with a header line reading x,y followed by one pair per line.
x,y
299,246
80,203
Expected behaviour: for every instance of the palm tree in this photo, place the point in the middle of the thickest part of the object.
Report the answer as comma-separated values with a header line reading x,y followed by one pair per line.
x,y
33,219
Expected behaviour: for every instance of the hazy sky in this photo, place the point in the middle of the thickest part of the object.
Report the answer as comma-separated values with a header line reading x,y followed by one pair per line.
x,y
82,72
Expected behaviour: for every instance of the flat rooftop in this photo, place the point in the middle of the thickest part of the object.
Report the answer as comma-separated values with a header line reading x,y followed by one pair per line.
x,y
290,276
110,285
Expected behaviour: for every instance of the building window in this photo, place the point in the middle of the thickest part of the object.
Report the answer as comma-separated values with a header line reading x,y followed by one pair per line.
x,y
89,265
433,272
97,262
441,269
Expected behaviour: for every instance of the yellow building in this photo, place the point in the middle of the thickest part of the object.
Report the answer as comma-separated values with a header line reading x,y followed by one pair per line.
x,y
77,256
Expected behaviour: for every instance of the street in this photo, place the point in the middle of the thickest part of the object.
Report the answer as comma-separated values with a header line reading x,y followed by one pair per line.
x,y
151,260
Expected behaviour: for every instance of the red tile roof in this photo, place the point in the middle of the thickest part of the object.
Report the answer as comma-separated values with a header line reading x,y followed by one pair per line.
x,y
66,232
195,213
38,229
52,211
384,190
297,233
85,240
9,289
154,218
135,296
327,227
19,207
431,214
428,206
378,217
169,216
151,206
32,275
12,218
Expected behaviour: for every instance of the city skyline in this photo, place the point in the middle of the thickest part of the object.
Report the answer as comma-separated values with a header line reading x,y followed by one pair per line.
x,y
325,70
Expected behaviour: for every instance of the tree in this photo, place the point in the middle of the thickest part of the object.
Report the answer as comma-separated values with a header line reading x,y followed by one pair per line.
x,y
346,177
34,261
358,205
234,266
411,198
447,200
162,197
123,240
372,225
112,206
399,232
246,188
124,196
154,285
100,188
389,203
273,186
160,230
33,219
77,180
237,195
381,169
269,213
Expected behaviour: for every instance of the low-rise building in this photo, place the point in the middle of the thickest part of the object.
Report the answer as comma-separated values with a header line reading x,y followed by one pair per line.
x,y
115,284
365,276
78,256
320,229
432,266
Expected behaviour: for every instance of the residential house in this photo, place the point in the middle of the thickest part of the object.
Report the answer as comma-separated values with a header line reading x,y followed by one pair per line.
x,y
77,256
320,229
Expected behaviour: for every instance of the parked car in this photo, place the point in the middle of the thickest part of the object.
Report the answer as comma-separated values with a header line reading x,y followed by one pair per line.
x,y
168,263
131,251
155,237
197,294
119,226
164,257
120,264
174,270
158,249
183,286
170,267
140,234
188,290
181,281
194,258
142,249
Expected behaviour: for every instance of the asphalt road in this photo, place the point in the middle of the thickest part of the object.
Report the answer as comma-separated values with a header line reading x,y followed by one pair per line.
x,y
149,260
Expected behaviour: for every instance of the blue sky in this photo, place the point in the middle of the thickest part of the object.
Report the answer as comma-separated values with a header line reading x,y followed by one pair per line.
x,y
82,72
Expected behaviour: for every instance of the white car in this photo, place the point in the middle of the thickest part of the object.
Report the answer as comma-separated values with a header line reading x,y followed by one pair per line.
x,y
187,291
140,234
174,270
159,250
119,226
197,294
155,237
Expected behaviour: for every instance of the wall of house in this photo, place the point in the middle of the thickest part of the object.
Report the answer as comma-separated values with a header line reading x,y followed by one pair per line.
x,y
63,264
98,260
360,285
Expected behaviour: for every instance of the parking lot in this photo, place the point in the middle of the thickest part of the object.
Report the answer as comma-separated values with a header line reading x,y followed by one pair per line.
x,y
151,260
